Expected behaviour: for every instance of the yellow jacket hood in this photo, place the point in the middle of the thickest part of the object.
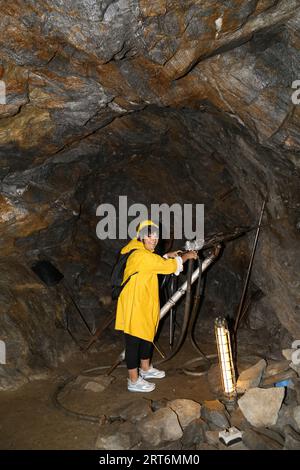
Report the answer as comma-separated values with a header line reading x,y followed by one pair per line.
x,y
134,244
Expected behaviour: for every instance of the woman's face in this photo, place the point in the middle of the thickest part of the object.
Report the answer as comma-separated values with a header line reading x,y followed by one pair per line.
x,y
150,241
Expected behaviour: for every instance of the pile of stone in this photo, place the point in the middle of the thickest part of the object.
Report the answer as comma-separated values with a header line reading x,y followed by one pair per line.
x,y
267,413
163,424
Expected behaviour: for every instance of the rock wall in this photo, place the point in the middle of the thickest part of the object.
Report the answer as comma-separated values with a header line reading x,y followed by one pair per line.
x,y
189,101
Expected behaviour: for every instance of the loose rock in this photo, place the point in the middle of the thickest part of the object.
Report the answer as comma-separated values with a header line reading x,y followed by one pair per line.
x,y
215,414
285,417
292,439
257,441
276,367
261,406
186,410
212,437
280,377
194,433
296,368
94,384
134,411
157,404
117,436
296,416
238,420
163,425
287,353
251,377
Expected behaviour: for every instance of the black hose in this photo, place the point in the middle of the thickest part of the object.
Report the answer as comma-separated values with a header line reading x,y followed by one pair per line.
x,y
74,414
191,328
198,359
186,317
173,288
168,288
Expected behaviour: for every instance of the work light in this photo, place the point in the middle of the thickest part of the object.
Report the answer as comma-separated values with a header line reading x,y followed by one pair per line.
x,y
225,358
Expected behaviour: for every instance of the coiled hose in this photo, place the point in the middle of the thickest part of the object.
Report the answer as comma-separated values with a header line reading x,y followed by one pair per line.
x,y
74,414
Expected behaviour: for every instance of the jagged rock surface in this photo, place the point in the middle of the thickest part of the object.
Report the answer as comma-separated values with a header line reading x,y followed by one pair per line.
x,y
101,97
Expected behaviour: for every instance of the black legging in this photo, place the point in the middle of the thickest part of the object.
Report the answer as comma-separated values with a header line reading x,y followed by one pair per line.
x,y
135,350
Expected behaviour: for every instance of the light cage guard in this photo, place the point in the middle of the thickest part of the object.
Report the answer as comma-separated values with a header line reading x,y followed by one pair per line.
x,y
225,356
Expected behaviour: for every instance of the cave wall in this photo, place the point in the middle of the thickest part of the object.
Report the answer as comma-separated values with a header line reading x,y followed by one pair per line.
x,y
187,100
72,67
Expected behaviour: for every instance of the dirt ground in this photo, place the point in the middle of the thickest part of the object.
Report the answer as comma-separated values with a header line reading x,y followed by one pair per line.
x,y
29,419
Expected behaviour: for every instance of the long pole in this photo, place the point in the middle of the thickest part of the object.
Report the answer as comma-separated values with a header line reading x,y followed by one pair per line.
x,y
249,268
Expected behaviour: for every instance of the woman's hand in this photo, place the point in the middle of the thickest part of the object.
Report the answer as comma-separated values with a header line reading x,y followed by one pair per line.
x,y
189,255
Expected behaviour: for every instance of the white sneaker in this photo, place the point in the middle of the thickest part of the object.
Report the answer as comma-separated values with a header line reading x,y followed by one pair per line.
x,y
140,385
152,373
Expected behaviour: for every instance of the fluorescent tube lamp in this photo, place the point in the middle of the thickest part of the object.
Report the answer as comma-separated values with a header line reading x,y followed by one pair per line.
x,y
225,358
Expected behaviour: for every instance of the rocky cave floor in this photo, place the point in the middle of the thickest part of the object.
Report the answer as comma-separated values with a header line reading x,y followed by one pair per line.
x,y
184,412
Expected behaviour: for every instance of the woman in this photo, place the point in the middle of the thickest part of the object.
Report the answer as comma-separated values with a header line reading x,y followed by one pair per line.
x,y
138,304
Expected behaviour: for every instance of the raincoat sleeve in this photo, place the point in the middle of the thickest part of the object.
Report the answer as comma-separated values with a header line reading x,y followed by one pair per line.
x,y
158,265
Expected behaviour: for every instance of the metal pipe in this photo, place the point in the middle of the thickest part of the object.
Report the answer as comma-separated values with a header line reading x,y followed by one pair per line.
x,y
182,289
186,287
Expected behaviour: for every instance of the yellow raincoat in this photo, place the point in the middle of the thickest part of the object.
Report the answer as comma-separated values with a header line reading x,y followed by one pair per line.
x,y
138,304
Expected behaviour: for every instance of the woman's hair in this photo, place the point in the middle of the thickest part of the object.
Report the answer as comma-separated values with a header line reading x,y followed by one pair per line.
x,y
147,231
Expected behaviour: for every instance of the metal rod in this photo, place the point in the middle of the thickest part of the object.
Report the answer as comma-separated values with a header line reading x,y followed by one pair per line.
x,y
249,268
171,329
100,330
77,308
116,363
159,351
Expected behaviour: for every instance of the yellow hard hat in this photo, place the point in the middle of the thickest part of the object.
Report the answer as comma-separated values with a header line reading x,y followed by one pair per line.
x,y
145,223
